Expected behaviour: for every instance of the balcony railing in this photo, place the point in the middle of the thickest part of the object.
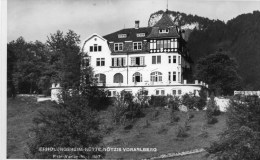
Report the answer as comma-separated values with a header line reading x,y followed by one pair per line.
x,y
163,50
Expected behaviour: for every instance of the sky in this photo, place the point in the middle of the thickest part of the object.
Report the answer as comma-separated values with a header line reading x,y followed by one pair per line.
x,y
37,19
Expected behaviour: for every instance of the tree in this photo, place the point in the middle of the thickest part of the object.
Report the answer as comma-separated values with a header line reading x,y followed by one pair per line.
x,y
74,123
65,59
71,124
220,72
26,61
241,139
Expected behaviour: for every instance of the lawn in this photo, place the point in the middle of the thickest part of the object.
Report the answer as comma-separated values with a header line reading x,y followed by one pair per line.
x,y
20,112
159,133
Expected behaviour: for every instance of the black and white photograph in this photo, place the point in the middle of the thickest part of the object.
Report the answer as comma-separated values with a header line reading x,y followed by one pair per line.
x,y
131,79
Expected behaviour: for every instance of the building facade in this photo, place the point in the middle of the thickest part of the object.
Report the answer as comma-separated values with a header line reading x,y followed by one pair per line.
x,y
151,58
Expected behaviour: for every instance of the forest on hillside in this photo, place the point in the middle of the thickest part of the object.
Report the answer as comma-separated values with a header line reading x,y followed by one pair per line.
x,y
239,38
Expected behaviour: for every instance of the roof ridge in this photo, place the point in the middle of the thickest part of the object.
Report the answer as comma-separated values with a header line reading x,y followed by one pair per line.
x,y
165,21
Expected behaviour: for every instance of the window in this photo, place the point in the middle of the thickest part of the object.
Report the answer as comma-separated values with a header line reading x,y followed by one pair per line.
x,y
137,45
122,36
101,78
179,59
118,78
112,93
156,77
179,91
170,58
174,92
163,30
137,77
100,61
160,92
140,35
156,59
163,44
173,76
95,48
118,46
137,61
174,59
118,62
169,76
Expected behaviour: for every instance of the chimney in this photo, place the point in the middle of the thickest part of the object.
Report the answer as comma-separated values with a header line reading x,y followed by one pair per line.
x,y
137,24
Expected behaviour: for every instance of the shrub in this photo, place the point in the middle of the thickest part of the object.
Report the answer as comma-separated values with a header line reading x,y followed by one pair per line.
x,y
142,98
181,132
212,120
125,108
128,127
147,124
195,102
191,116
241,139
158,101
212,107
155,114
212,111
72,123
187,125
162,129
188,100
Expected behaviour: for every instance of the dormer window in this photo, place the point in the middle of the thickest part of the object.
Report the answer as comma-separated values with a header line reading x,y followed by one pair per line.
x,y
163,30
122,36
118,46
137,45
140,35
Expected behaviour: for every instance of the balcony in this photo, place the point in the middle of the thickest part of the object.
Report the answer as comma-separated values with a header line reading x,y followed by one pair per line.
x,y
137,66
163,50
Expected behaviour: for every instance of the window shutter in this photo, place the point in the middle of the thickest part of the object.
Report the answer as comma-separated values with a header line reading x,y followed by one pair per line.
x,y
153,59
132,61
141,60
115,61
119,62
158,59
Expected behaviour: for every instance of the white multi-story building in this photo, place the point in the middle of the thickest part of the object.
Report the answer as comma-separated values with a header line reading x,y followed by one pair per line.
x,y
152,58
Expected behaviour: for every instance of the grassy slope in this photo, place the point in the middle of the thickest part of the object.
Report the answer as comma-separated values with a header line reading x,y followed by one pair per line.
x,y
20,112
166,142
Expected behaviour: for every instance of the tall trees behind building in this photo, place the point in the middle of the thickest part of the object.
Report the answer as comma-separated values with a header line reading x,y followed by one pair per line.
x,y
239,38
220,72
33,66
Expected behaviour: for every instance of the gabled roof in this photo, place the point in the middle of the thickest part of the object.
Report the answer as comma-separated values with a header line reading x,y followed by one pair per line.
x,y
88,38
155,33
165,21
131,34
